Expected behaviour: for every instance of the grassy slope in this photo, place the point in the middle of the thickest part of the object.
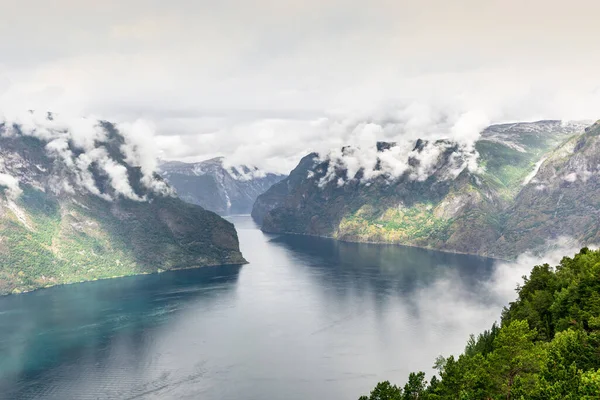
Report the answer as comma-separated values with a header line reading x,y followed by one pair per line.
x,y
66,241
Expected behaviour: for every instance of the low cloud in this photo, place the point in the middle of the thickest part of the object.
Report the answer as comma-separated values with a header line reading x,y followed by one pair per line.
x,y
268,82
11,184
452,305
277,144
80,143
508,275
140,150
446,135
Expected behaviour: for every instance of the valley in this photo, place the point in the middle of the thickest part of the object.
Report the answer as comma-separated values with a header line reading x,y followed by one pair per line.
x,y
216,187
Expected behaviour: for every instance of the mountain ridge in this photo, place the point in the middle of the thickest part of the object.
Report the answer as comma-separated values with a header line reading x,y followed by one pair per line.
x,y
438,198
216,186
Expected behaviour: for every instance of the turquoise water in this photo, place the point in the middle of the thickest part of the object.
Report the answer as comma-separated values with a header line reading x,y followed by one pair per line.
x,y
308,318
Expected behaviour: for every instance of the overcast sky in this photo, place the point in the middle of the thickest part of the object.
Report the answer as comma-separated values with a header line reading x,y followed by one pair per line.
x,y
265,82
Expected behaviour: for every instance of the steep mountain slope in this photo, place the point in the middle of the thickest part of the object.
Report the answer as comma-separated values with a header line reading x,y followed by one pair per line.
x,y
75,206
562,199
439,194
215,187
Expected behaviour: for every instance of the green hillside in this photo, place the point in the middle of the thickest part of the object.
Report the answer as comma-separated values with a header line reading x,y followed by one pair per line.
x,y
54,231
500,208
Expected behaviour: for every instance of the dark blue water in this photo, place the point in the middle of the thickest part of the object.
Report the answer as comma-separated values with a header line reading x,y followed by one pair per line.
x,y
308,318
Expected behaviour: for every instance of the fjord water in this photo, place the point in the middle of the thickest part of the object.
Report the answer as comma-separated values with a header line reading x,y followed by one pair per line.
x,y
308,318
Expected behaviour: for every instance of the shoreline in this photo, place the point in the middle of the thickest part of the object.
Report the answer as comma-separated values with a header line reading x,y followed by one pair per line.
x,y
160,271
388,244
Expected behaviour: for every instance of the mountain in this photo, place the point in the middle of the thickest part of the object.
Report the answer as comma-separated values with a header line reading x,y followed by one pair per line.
x,y
562,198
496,198
79,202
212,185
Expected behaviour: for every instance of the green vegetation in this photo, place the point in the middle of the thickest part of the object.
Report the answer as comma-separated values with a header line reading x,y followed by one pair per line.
x,y
430,220
547,346
56,246
58,232
505,168
399,224
534,182
45,240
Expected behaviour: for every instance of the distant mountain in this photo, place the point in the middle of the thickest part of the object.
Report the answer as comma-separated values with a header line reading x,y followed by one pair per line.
x,y
212,185
78,203
518,186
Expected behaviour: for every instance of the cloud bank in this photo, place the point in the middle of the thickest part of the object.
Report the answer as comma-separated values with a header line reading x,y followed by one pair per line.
x,y
82,144
264,82
447,159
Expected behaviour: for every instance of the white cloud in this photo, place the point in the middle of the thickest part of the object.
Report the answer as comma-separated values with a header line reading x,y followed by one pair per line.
x,y
118,178
572,177
266,82
11,184
460,301
140,150
404,158
508,274
63,134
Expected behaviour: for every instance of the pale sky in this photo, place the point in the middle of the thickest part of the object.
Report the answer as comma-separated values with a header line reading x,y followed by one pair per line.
x,y
266,82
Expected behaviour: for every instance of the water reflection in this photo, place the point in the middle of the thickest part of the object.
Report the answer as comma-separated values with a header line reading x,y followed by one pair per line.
x,y
378,312
308,318
387,272
390,264
45,334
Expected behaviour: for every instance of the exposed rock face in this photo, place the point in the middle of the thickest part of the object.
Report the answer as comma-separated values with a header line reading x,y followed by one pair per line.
x,y
496,199
85,213
211,185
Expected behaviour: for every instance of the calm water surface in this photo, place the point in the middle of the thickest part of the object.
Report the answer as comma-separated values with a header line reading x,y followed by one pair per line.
x,y
308,318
